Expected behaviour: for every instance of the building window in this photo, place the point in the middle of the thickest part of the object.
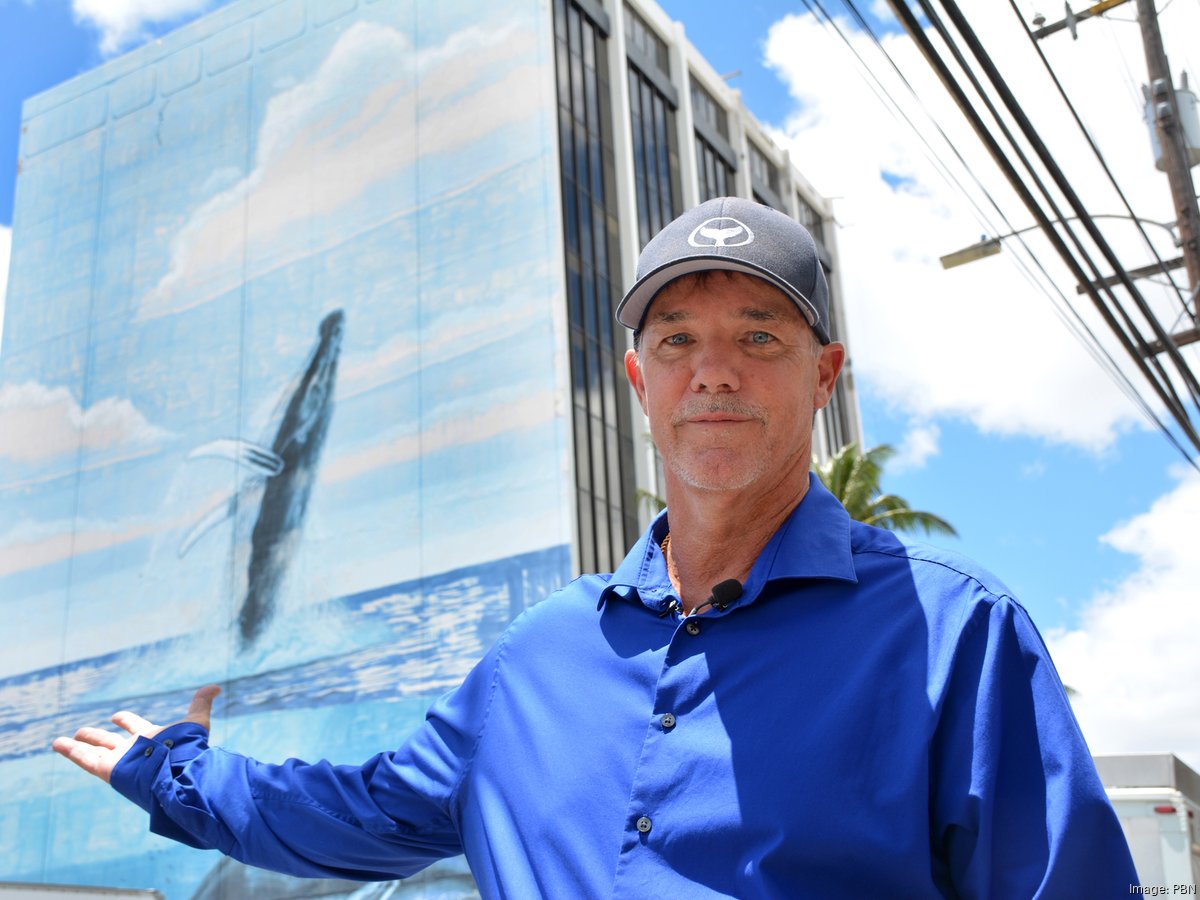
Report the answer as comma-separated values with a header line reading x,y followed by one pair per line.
x,y
652,104
836,427
640,40
715,159
607,520
706,111
714,175
764,178
655,155
810,219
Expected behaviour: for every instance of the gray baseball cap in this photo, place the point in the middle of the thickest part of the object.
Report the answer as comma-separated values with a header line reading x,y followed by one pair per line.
x,y
738,236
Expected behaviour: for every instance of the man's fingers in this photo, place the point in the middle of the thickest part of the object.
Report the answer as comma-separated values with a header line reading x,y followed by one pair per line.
x,y
135,724
96,760
98,737
200,710
97,751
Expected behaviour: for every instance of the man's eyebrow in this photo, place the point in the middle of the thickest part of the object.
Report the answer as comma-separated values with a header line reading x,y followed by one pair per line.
x,y
760,314
754,313
678,315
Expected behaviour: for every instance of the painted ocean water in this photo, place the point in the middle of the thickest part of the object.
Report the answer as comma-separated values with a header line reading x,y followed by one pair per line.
x,y
341,680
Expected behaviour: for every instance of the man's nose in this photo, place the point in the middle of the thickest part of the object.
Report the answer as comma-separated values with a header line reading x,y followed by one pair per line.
x,y
716,370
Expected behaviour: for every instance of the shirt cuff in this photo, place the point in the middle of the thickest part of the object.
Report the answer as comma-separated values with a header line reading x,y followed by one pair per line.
x,y
136,773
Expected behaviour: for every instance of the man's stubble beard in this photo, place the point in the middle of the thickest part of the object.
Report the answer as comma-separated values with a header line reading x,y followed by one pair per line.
x,y
695,473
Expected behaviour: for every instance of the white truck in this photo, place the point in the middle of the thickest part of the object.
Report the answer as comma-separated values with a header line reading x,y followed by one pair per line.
x,y
1157,799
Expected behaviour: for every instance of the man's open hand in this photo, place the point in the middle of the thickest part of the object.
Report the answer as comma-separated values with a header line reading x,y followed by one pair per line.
x,y
98,751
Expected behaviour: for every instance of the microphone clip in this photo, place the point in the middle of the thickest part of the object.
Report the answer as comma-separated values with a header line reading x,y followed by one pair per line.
x,y
721,597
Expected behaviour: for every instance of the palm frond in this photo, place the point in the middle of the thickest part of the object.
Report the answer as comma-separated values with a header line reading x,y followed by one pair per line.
x,y
854,478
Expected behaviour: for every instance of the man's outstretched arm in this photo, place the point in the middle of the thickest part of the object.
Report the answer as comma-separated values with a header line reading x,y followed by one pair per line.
x,y
387,818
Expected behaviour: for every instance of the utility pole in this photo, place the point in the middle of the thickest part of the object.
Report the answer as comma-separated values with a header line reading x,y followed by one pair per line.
x,y
1165,108
1174,149
1074,18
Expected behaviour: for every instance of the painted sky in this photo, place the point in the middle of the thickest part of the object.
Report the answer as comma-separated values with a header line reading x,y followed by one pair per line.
x,y
329,216
1004,425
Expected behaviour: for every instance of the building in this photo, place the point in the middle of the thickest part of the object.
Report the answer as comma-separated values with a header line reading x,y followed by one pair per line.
x,y
312,381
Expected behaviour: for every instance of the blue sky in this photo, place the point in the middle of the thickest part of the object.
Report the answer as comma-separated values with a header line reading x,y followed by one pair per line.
x,y
1003,425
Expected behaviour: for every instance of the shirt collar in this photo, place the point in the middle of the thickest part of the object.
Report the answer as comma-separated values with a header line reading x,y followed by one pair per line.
x,y
812,542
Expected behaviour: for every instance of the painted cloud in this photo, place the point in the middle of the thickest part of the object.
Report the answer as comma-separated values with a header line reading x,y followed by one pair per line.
x,y
43,422
315,156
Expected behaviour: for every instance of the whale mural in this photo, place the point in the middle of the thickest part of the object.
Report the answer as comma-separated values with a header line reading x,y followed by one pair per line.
x,y
292,277
281,477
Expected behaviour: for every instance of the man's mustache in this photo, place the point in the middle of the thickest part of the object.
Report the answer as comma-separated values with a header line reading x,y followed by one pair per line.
x,y
719,404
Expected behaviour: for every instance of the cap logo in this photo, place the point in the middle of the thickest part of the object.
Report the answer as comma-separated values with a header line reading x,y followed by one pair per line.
x,y
721,232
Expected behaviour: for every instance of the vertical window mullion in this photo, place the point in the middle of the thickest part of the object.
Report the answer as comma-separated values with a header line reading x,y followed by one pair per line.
x,y
603,491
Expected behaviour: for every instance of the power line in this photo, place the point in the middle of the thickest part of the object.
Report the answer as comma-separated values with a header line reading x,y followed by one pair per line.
x,y
1098,154
1074,322
1054,170
1161,385
897,111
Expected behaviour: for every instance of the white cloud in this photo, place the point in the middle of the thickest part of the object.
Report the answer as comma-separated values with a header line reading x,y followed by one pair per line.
x,y
918,446
122,23
5,254
978,342
41,423
1133,657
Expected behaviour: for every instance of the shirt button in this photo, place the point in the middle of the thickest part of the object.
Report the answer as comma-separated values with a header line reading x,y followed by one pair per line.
x,y
668,722
168,743
644,825
149,750
693,627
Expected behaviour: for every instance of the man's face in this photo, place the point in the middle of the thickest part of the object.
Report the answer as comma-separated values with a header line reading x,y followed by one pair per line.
x,y
730,375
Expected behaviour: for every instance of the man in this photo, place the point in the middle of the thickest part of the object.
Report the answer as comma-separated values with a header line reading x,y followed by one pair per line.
x,y
764,700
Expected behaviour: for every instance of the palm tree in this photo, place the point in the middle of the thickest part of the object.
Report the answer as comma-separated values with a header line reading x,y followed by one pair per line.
x,y
854,478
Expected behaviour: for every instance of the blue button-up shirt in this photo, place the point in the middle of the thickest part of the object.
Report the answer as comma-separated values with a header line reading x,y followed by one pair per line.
x,y
869,718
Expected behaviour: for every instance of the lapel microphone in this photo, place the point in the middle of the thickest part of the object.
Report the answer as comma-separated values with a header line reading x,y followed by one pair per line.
x,y
721,596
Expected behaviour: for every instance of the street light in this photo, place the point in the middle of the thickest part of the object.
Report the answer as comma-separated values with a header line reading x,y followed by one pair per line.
x,y
986,247
991,246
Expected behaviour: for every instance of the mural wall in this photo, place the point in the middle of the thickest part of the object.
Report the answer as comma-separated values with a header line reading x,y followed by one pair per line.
x,y
282,401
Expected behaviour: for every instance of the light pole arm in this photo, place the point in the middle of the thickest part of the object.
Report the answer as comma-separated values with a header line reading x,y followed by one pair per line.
x,y
990,246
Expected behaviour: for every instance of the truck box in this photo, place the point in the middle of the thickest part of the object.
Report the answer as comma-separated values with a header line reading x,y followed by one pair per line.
x,y
1157,798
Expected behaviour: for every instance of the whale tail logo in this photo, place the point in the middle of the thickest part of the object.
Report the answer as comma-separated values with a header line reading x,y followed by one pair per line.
x,y
721,232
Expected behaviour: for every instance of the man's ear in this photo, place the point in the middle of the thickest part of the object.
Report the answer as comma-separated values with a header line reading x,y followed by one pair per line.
x,y
633,372
833,357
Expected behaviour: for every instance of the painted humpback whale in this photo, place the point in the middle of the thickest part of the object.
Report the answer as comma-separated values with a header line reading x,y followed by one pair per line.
x,y
281,478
